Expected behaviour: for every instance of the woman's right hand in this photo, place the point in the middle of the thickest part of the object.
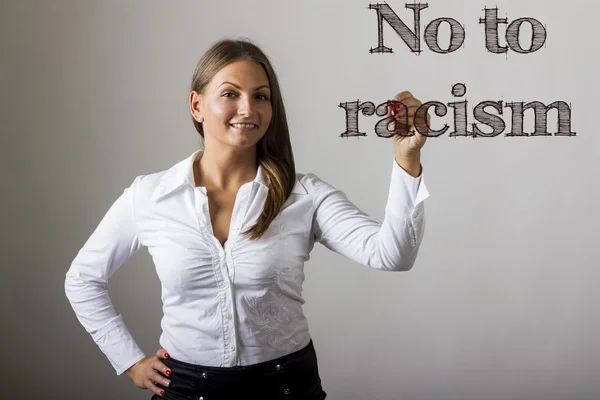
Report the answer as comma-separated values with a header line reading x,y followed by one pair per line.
x,y
146,372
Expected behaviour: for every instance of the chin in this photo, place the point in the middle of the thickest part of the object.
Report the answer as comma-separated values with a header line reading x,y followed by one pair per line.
x,y
246,140
242,143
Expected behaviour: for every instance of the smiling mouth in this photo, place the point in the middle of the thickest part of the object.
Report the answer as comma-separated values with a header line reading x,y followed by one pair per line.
x,y
244,126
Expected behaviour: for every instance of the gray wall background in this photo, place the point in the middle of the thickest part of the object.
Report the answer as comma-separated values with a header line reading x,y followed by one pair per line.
x,y
502,302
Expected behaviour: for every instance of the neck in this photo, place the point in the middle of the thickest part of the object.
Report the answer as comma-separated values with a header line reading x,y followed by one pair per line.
x,y
225,169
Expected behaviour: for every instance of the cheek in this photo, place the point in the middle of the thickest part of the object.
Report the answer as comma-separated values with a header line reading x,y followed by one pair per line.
x,y
267,114
222,111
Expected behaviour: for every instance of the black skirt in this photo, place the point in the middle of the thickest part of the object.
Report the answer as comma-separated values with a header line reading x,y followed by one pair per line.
x,y
291,377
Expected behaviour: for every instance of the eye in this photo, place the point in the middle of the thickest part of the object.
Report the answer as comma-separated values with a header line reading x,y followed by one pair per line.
x,y
227,94
262,97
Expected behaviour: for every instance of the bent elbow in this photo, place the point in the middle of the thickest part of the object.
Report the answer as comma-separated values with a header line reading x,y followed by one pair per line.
x,y
79,288
72,286
402,264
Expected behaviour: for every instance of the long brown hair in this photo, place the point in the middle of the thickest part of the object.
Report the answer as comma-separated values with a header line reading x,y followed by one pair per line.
x,y
274,150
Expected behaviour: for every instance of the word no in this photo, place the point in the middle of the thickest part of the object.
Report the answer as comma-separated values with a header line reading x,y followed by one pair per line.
x,y
412,38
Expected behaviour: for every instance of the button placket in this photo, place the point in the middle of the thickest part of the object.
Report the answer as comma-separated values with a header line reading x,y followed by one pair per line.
x,y
226,299
234,231
231,333
230,265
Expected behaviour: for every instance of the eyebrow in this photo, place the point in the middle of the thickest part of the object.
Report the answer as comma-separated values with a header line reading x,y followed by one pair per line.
x,y
239,87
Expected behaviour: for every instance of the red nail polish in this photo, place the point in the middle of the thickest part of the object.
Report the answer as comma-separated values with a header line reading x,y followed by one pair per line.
x,y
162,392
168,372
166,355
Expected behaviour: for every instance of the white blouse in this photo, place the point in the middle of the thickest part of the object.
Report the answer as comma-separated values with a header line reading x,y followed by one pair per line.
x,y
240,303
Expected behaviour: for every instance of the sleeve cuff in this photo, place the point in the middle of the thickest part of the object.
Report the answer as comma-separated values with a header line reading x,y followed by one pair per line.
x,y
407,193
120,348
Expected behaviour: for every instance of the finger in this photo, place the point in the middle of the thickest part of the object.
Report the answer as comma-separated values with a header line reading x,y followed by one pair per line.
x,y
399,126
397,108
409,102
402,109
391,114
391,127
161,367
158,380
390,107
403,95
404,116
154,388
412,103
162,353
397,105
410,113
421,121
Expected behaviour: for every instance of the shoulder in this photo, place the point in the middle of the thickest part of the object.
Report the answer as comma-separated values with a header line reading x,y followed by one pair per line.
x,y
157,185
314,184
147,182
145,186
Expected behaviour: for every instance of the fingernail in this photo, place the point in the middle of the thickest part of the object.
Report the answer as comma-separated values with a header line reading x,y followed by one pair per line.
x,y
162,392
166,355
167,382
168,372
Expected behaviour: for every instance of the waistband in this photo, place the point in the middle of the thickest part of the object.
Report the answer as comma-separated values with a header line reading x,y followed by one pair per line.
x,y
306,353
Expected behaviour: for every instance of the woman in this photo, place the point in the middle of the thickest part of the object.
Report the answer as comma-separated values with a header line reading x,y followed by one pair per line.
x,y
229,229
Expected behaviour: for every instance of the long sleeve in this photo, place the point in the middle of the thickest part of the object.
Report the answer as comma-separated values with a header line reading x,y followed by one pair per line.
x,y
391,245
110,245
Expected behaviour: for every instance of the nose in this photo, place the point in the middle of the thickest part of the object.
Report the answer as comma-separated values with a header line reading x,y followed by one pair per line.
x,y
246,106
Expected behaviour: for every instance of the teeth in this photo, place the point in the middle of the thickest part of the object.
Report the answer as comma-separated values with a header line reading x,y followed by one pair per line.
x,y
244,125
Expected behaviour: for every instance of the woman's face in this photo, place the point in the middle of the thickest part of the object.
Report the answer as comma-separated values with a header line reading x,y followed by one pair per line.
x,y
236,105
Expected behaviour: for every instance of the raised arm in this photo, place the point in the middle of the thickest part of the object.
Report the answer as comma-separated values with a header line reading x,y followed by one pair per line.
x,y
393,244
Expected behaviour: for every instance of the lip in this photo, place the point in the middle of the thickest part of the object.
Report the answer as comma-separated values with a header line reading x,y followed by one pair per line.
x,y
244,129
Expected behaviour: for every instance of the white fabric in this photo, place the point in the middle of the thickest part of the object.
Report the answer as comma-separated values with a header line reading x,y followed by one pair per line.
x,y
241,303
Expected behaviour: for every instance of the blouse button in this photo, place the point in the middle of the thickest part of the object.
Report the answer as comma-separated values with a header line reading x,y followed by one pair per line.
x,y
204,375
287,391
278,367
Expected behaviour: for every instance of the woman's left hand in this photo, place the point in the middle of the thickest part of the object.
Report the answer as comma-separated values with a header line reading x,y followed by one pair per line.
x,y
409,144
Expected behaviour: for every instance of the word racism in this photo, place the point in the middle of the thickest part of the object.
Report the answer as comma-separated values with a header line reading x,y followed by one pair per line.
x,y
385,128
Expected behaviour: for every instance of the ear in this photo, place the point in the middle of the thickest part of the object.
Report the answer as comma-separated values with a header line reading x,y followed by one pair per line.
x,y
195,104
